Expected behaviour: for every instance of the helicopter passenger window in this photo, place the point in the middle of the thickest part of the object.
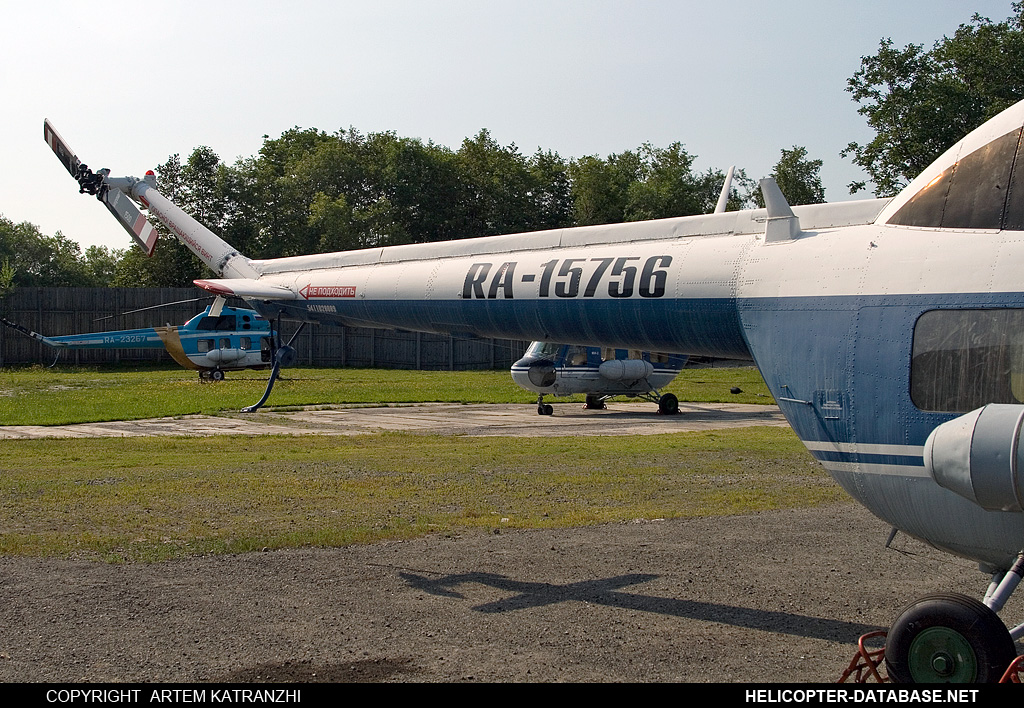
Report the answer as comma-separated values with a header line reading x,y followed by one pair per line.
x,y
244,343
204,345
658,358
607,354
635,354
965,359
576,356
225,343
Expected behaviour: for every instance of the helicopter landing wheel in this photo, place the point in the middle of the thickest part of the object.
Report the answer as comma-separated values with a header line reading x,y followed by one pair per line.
x,y
668,404
948,638
545,409
217,375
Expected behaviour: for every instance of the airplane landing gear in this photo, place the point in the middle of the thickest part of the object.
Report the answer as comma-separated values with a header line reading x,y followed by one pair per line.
x,y
948,638
594,403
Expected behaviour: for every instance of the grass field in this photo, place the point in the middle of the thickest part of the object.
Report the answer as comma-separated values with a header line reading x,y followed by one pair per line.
x,y
149,499
156,498
41,396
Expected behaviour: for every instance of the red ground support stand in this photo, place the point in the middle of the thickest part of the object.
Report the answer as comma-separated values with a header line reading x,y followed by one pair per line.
x,y
866,662
1013,673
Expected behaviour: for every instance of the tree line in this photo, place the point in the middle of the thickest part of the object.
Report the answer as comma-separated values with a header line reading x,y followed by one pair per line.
x,y
309,191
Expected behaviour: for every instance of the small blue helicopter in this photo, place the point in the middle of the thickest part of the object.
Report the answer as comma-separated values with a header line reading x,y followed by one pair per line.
x,y
218,339
598,372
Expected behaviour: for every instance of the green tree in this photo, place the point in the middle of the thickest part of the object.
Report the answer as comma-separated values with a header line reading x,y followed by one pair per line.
x,y
797,177
919,102
600,188
37,260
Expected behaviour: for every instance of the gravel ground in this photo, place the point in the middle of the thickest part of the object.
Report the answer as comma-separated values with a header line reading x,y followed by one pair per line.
x,y
778,596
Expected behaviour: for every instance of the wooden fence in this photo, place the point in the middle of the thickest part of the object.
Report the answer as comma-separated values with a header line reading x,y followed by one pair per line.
x,y
58,311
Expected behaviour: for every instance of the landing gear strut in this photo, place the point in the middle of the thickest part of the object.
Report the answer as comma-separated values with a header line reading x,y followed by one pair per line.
x,y
948,638
542,407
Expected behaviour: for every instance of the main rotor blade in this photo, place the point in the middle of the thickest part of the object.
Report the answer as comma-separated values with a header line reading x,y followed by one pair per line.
x,y
270,386
129,216
151,307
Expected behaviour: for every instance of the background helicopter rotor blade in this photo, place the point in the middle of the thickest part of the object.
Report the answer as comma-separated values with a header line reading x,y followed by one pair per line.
x,y
153,307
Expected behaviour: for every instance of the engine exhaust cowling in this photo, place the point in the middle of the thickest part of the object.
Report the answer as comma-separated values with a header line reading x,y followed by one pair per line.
x,y
979,456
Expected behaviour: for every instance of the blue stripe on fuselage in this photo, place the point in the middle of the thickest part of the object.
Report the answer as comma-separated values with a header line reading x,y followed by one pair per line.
x,y
868,458
698,326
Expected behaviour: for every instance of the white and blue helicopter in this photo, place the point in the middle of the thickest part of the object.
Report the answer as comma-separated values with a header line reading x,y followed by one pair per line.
x,y
889,331
599,373
216,340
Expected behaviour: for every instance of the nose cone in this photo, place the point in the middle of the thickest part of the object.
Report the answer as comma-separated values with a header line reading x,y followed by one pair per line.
x,y
534,374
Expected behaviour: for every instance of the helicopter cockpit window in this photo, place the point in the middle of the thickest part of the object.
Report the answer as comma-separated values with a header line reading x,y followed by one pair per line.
x,y
965,359
548,350
978,192
223,323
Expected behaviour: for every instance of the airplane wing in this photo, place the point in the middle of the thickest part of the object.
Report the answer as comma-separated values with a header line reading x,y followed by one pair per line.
x,y
246,288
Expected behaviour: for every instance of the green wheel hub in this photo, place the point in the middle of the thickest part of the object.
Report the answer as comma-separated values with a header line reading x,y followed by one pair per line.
x,y
941,654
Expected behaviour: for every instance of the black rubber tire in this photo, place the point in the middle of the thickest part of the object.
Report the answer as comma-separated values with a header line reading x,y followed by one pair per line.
x,y
217,375
668,404
594,403
948,638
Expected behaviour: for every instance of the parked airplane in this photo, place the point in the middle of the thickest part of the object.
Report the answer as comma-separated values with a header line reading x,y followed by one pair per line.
x,y
598,372
216,340
889,332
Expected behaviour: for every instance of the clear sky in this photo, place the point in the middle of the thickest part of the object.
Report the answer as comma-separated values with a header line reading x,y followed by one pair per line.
x,y
735,81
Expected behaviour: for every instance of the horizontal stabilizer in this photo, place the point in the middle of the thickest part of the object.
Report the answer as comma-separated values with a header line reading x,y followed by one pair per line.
x,y
246,287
